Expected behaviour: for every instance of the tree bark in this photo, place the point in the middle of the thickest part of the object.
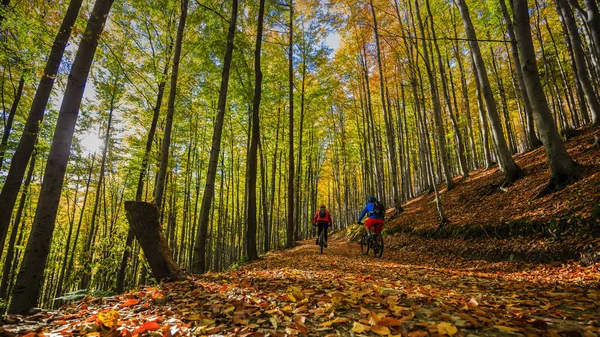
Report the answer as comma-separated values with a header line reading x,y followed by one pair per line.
x,y
89,249
566,16
253,151
166,142
437,110
290,237
143,219
29,280
460,148
9,122
10,252
387,117
562,168
19,161
511,170
531,137
199,263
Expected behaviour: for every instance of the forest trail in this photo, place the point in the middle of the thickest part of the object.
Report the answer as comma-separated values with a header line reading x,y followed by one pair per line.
x,y
343,293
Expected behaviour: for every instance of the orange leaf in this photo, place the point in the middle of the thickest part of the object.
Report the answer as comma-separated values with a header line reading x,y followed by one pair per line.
x,y
389,321
131,302
151,326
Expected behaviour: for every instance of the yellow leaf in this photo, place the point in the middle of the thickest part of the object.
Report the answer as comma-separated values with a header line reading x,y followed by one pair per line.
x,y
380,330
358,328
109,318
193,317
273,320
295,294
446,328
373,318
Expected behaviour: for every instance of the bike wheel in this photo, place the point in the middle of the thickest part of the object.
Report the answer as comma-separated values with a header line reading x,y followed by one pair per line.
x,y
378,246
321,243
364,244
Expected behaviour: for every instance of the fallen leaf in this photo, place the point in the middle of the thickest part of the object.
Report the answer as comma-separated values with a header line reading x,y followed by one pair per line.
x,y
358,328
445,328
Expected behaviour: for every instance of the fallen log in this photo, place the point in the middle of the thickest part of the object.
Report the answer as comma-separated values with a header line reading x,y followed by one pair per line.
x,y
144,220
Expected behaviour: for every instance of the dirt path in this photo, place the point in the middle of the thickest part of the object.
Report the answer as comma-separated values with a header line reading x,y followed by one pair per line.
x,y
343,293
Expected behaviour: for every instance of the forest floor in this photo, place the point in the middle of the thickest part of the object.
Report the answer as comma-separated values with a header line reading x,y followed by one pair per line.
x,y
504,264
344,293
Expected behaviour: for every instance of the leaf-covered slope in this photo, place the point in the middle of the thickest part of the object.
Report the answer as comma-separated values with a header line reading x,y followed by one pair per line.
x,y
478,201
343,293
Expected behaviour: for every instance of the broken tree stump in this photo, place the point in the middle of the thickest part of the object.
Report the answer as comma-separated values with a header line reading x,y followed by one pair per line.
x,y
144,220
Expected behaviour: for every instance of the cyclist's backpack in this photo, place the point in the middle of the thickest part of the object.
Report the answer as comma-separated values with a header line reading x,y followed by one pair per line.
x,y
322,214
378,209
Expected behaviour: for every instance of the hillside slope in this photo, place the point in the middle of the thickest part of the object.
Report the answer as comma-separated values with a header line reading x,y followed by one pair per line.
x,y
479,201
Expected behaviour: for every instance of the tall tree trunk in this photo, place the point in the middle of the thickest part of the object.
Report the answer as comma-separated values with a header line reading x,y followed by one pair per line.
x,y
437,109
10,253
269,225
120,285
19,161
566,16
530,136
199,263
460,148
29,280
387,117
290,238
89,249
166,143
511,170
9,122
562,169
253,152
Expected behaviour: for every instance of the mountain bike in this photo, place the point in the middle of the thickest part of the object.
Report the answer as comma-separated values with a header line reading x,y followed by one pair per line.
x,y
374,242
322,243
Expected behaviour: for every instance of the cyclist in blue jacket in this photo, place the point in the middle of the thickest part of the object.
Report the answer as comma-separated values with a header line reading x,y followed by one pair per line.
x,y
375,216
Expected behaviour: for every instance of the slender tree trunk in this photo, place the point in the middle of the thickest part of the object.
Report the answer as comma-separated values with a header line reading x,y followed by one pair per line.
x,y
387,117
290,239
437,109
29,280
530,136
166,143
511,170
562,169
9,121
269,225
566,16
89,249
199,264
10,253
253,151
502,92
460,148
19,161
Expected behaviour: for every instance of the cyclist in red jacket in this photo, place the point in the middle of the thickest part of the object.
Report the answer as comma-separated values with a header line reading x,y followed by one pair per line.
x,y
322,219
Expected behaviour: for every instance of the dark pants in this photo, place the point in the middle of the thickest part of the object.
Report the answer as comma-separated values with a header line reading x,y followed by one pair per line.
x,y
323,226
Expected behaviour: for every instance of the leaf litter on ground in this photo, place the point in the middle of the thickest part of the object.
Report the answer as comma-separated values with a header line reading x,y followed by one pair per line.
x,y
340,293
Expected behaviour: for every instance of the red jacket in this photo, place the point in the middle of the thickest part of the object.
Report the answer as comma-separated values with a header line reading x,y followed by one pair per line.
x,y
327,218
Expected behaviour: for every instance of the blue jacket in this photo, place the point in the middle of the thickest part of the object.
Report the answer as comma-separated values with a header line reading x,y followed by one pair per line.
x,y
369,209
